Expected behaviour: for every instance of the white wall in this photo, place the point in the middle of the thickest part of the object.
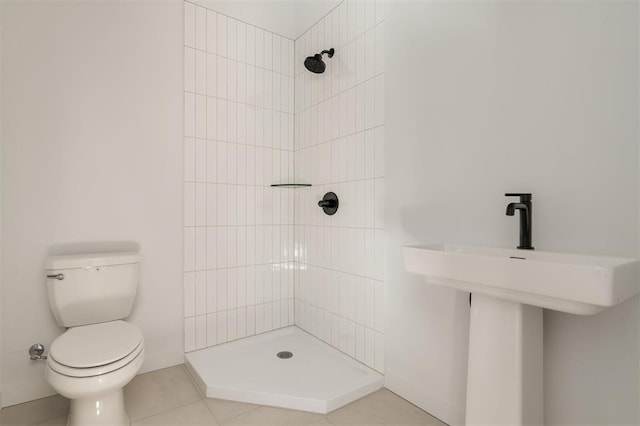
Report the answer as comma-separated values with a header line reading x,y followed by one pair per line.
x,y
485,98
308,12
238,278
288,18
91,158
340,289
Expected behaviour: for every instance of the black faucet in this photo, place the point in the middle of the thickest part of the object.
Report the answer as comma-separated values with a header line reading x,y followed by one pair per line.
x,y
525,218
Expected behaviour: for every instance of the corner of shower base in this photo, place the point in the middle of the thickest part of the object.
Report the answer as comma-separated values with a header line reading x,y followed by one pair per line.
x,y
195,377
345,393
292,402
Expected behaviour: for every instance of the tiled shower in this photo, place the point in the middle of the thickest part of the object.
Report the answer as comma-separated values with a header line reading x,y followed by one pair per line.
x,y
339,286
238,264
258,258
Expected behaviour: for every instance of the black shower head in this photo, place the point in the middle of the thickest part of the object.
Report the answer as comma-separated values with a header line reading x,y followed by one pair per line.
x,y
315,63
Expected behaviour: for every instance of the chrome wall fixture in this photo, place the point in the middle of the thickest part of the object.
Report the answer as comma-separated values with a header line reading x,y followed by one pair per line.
x,y
35,352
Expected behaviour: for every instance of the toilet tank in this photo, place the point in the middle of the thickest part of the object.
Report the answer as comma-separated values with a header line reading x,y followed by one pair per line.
x,y
91,288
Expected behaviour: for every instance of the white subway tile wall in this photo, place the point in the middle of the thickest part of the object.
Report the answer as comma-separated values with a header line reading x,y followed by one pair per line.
x,y
248,268
239,130
340,294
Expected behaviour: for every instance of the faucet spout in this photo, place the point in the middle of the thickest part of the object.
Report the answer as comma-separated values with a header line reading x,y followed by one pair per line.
x,y
512,207
524,206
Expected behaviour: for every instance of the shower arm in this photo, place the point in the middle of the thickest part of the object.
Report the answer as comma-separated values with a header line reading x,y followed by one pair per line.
x,y
329,52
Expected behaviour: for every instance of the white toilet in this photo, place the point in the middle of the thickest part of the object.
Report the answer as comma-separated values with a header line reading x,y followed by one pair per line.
x,y
99,353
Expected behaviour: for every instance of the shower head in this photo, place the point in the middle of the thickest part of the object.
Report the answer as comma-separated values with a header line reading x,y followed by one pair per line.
x,y
315,63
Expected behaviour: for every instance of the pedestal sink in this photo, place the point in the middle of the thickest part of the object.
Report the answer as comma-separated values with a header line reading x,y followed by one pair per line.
x,y
510,288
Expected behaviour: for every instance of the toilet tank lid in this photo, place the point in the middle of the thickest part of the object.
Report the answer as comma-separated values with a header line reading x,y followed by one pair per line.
x,y
84,260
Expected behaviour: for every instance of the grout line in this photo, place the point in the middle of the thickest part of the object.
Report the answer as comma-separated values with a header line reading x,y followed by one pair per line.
x,y
340,47
281,301
206,242
339,316
237,226
241,338
341,272
228,58
299,224
326,99
326,416
222,423
137,421
183,369
243,144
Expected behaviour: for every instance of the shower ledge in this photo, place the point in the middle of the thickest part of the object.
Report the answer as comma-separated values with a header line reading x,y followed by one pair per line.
x,y
318,378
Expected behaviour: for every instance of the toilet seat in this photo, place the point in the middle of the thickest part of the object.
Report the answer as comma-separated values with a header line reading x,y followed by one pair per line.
x,y
95,349
95,371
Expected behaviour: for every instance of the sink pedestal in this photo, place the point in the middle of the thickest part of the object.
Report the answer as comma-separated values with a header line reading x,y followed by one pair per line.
x,y
510,288
504,381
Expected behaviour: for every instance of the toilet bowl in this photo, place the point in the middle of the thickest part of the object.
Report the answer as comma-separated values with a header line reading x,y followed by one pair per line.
x,y
90,365
99,354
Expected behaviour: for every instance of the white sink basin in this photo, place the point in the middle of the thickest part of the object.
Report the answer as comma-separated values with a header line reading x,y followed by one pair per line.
x,y
570,283
510,287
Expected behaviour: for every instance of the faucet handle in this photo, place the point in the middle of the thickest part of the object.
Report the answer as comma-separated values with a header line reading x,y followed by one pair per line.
x,y
524,196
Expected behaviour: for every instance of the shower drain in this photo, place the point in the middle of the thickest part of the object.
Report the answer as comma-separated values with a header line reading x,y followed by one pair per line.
x,y
284,355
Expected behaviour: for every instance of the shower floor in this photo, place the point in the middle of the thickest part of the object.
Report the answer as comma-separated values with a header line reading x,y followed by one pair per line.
x,y
318,378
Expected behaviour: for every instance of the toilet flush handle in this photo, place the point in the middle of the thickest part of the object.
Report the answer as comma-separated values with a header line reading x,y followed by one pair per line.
x,y
56,276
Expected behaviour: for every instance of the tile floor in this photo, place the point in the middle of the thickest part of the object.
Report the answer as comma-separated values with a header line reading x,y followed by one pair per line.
x,y
168,397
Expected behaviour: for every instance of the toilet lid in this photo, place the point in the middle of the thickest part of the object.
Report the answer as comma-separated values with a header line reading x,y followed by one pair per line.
x,y
96,344
137,354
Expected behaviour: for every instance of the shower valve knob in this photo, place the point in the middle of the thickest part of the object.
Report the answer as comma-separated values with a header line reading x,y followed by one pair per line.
x,y
329,203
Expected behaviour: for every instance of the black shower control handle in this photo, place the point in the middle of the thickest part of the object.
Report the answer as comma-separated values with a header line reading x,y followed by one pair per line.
x,y
327,203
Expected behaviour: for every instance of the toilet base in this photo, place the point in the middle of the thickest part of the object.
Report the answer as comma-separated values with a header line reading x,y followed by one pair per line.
x,y
95,400
107,410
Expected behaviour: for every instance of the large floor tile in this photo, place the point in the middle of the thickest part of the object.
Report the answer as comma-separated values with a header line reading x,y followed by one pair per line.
x,y
224,410
278,416
58,421
382,408
196,414
33,412
159,391
169,398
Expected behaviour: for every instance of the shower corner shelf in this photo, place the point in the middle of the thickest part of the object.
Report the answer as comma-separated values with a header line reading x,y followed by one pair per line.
x,y
290,185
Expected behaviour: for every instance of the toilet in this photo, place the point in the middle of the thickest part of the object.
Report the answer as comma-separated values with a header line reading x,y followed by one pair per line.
x,y
99,354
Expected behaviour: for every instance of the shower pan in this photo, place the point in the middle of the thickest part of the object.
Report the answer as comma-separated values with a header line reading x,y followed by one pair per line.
x,y
316,377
